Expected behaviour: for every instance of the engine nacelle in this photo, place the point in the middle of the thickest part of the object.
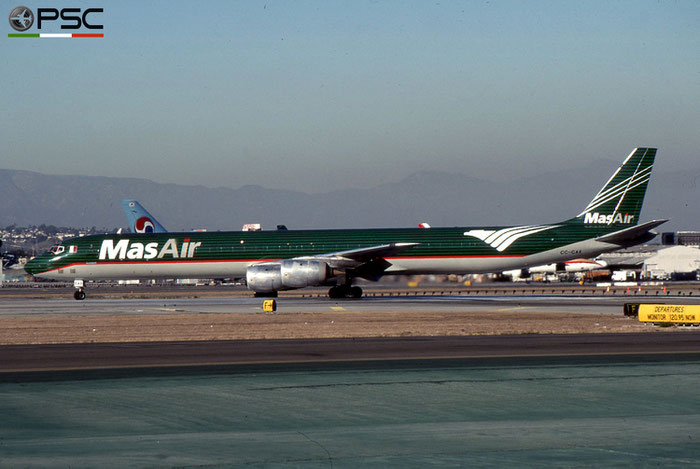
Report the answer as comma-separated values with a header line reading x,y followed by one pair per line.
x,y
264,277
286,275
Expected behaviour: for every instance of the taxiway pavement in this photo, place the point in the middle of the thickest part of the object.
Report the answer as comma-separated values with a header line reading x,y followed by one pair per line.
x,y
129,358
38,307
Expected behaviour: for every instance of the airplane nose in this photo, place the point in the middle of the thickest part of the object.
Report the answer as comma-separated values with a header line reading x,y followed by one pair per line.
x,y
35,266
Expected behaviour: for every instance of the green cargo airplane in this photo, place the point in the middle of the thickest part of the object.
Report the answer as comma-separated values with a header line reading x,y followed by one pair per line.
x,y
272,261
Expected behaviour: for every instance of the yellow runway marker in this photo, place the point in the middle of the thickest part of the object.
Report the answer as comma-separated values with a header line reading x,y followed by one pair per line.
x,y
337,308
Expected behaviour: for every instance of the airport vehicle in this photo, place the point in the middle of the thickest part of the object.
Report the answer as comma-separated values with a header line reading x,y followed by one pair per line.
x,y
287,259
140,221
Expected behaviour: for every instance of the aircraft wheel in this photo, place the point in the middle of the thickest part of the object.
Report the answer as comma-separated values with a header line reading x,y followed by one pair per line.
x,y
79,295
355,292
343,291
335,292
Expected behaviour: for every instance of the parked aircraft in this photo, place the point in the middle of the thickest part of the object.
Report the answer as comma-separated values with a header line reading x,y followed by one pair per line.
x,y
287,259
140,221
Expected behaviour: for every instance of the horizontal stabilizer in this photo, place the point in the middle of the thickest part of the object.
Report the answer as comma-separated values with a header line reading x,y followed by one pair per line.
x,y
632,234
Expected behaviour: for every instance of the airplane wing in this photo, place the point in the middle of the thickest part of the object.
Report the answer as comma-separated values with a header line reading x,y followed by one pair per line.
x,y
367,263
632,235
356,257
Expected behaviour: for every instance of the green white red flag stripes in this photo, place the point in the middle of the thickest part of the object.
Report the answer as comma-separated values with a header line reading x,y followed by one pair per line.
x,y
55,35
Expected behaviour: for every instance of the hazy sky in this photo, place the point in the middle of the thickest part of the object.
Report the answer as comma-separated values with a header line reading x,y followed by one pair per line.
x,y
320,95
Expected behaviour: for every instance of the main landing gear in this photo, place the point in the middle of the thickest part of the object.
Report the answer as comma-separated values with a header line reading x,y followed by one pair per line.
x,y
345,291
79,292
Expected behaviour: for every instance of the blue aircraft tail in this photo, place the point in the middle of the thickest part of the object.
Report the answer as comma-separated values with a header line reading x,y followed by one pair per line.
x,y
140,221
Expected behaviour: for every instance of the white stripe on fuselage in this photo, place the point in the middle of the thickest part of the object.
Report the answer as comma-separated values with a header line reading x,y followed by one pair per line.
x,y
149,270
399,265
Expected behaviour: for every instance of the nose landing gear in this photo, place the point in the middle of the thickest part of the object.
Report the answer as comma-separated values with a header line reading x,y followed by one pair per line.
x,y
79,292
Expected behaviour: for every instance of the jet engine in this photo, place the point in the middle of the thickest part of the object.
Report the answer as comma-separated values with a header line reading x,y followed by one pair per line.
x,y
287,274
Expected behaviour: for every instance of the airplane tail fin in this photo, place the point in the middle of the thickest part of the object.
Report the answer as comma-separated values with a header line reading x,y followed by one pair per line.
x,y
140,221
619,203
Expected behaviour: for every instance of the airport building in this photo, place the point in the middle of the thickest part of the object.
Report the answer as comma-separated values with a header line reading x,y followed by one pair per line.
x,y
682,238
677,263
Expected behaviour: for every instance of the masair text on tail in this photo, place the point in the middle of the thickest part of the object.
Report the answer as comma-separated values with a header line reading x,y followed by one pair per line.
x,y
619,202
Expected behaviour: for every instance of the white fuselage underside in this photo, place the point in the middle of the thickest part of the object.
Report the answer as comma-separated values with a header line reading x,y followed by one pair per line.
x,y
399,265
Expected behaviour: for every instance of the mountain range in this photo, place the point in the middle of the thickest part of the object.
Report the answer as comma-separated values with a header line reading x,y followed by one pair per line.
x,y
441,199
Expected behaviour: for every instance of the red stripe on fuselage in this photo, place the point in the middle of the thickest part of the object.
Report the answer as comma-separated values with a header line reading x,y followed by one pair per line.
x,y
96,263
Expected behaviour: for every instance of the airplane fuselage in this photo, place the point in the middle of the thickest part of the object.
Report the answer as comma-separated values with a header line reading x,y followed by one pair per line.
x,y
278,260
229,254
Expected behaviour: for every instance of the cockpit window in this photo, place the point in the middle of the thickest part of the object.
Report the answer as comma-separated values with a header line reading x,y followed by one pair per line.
x,y
57,250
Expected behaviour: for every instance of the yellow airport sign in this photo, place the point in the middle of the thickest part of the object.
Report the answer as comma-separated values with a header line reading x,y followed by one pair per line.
x,y
269,306
685,314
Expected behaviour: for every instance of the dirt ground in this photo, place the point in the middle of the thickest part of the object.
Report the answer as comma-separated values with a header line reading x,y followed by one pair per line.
x,y
189,327
331,324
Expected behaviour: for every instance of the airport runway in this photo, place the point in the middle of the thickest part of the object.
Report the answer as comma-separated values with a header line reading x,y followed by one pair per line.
x,y
130,358
59,334
445,400
51,320
57,290
37,307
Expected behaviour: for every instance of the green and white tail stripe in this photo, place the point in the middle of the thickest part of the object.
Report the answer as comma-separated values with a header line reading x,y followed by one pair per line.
x,y
501,239
620,200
